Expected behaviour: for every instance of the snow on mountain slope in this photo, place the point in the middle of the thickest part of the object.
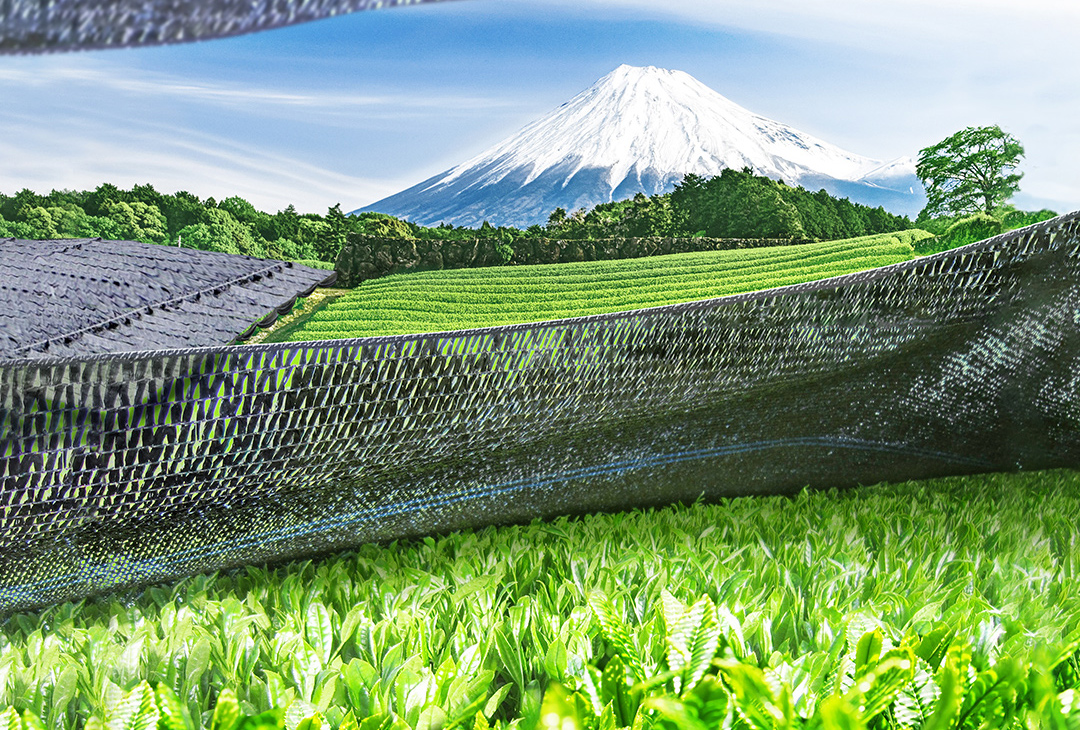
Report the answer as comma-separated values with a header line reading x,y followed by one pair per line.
x,y
640,130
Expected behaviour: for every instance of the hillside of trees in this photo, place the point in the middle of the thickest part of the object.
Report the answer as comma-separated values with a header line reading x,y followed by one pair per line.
x,y
736,204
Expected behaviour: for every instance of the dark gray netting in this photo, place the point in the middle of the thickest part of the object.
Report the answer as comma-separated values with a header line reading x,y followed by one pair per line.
x,y
123,469
36,26
78,297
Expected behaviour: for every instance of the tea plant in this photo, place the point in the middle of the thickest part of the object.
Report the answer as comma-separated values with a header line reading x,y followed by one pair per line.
x,y
459,299
943,603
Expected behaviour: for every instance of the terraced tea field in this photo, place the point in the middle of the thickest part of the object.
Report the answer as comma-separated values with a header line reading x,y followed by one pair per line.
x,y
439,301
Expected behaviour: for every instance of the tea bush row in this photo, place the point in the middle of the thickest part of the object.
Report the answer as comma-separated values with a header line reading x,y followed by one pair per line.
x,y
461,299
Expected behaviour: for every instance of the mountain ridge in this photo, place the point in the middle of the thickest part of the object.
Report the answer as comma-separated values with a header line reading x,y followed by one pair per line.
x,y
640,129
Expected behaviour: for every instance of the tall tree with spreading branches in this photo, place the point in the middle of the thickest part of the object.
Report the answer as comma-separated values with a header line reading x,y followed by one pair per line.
x,y
971,171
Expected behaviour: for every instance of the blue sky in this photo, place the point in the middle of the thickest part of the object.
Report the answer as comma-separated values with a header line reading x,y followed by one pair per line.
x,y
354,108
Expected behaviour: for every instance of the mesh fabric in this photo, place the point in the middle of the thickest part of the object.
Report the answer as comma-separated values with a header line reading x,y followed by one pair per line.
x,y
119,470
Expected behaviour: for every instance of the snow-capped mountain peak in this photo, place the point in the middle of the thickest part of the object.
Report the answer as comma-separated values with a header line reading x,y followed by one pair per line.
x,y
637,129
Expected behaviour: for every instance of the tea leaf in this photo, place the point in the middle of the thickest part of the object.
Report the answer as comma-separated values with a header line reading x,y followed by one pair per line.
x,y
557,712
932,647
431,718
298,712
868,649
32,721
592,682
951,681
349,722
675,714
915,702
835,713
270,720
682,623
63,692
555,660
315,722
991,698
10,720
171,711
227,715
319,632
615,631
879,686
136,711
197,662
705,642
754,699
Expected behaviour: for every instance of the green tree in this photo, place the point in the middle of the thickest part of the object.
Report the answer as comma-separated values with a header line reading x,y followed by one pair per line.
x,y
969,172
646,216
145,194
97,202
41,225
199,236
314,233
222,233
71,221
757,209
557,220
182,209
688,205
329,243
285,224
11,207
15,229
240,209
137,221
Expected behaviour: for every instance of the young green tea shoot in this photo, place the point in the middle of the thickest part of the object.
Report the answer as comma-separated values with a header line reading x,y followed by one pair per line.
x,y
888,605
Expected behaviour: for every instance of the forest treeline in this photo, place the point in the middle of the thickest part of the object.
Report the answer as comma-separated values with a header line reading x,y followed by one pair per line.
x,y
735,204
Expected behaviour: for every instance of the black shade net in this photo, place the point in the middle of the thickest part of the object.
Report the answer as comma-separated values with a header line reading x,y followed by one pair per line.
x,y
125,469
77,297
39,26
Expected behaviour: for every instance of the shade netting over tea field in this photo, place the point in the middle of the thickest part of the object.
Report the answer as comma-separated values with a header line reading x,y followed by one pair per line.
x,y
42,26
86,296
122,469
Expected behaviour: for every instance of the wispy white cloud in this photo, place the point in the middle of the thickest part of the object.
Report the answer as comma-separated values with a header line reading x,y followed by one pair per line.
x,y
952,63
80,153
49,73
941,25
904,73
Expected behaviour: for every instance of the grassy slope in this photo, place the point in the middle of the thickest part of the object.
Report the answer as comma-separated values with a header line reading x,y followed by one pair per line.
x,y
459,299
995,557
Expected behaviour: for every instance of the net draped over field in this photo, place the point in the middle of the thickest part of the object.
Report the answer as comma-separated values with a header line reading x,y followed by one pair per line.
x,y
37,26
123,469
79,297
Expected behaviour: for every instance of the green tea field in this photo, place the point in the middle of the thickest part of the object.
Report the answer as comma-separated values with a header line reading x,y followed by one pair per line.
x,y
941,604
948,603
439,301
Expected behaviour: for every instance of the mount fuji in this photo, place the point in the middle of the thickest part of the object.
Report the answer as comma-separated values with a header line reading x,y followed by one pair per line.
x,y
640,130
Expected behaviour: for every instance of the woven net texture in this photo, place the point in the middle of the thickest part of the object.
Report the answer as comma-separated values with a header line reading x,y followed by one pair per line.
x,y
78,297
38,26
125,469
